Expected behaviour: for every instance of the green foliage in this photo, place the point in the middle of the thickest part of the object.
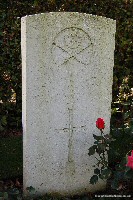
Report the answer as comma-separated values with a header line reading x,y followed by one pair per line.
x,y
105,173
115,168
96,171
10,68
122,133
3,195
101,147
92,150
94,179
11,161
122,175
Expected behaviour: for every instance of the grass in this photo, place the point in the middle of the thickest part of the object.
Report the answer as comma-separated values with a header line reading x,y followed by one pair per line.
x,y
11,157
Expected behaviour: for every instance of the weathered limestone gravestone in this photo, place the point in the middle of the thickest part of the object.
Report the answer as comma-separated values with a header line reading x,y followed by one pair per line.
x,y
67,70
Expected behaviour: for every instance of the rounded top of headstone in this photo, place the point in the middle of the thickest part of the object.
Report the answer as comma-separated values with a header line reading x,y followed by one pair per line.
x,y
75,18
96,17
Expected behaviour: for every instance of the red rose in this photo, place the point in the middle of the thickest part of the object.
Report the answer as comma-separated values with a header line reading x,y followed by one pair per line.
x,y
100,123
130,161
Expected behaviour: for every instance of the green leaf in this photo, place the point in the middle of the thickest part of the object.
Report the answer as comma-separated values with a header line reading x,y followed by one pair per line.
x,y
105,174
1,194
31,190
118,175
96,171
96,137
115,184
19,197
13,191
1,33
128,173
107,136
1,128
36,2
96,142
5,195
92,150
126,115
94,179
84,198
122,164
100,148
4,121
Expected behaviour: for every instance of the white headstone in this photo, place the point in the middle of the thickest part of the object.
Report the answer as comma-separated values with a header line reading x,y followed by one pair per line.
x,y
67,70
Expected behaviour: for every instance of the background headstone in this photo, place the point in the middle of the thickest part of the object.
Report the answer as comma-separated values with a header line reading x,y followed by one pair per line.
x,y
67,70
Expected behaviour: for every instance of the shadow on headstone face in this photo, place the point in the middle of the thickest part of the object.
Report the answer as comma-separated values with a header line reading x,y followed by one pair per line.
x,y
67,71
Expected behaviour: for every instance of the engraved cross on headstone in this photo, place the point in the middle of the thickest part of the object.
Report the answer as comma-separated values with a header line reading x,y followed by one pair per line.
x,y
71,129
70,161
71,43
